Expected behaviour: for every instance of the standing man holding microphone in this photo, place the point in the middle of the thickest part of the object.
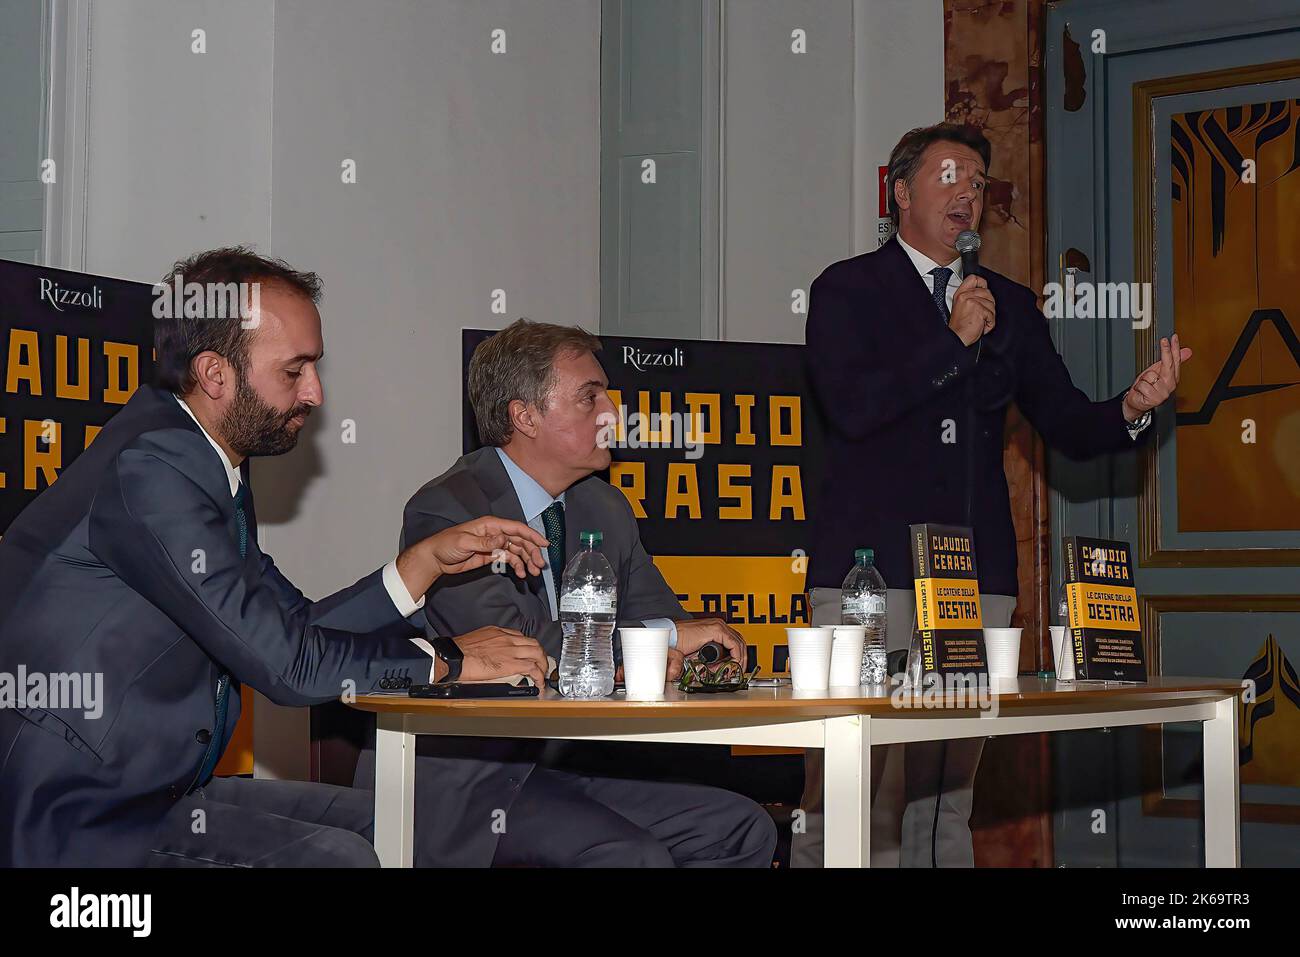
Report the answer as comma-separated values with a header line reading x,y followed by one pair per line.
x,y
914,362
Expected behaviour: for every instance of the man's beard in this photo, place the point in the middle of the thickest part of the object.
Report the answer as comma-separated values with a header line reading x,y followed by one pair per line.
x,y
254,428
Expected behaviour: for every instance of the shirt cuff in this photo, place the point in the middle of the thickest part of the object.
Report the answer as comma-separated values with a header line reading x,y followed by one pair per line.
x,y
406,606
664,623
427,648
1135,428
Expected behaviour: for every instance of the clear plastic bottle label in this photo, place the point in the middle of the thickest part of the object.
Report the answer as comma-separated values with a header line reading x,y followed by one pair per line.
x,y
865,605
588,603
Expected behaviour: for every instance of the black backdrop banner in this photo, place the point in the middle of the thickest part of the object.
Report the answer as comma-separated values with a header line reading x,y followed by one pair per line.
x,y
716,451
75,347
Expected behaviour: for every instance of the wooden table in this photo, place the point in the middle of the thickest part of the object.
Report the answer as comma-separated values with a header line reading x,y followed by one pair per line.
x,y
845,722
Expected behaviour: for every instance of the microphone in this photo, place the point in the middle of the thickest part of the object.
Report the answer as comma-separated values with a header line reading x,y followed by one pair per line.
x,y
968,244
712,652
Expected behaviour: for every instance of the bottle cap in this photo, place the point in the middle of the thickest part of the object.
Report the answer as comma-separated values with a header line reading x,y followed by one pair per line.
x,y
864,554
591,538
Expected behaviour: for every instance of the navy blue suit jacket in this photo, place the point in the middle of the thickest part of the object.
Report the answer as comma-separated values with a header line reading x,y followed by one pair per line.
x,y
129,566
914,418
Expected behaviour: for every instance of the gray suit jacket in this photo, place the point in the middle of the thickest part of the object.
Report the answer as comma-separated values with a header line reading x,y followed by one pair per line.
x,y
460,782
129,567
478,485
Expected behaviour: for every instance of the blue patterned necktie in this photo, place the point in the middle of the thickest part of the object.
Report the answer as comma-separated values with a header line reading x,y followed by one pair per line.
x,y
553,522
215,742
941,276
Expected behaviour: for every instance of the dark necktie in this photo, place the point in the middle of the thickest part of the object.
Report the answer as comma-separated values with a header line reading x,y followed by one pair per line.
x,y
941,276
553,522
217,740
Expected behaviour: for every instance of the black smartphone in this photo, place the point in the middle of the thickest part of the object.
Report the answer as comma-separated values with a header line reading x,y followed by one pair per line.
x,y
471,689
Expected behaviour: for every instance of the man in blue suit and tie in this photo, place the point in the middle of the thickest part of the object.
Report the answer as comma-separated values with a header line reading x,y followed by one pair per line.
x,y
914,365
140,567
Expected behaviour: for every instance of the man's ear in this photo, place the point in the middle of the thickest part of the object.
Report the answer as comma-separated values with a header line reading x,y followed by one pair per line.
x,y
523,417
213,374
902,196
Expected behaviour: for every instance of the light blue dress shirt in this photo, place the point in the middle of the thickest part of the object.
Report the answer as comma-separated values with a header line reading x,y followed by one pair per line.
x,y
533,501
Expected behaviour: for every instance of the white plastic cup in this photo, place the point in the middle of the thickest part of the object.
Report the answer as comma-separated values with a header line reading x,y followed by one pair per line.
x,y
810,657
645,660
1002,645
846,655
1062,652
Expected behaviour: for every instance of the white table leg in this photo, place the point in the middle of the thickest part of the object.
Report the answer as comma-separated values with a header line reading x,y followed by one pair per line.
x,y
846,817
394,792
1222,786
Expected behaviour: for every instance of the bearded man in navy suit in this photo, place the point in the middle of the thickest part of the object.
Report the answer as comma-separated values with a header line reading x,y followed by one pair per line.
x,y
140,565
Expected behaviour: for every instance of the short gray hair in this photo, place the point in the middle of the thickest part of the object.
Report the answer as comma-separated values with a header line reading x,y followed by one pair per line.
x,y
518,363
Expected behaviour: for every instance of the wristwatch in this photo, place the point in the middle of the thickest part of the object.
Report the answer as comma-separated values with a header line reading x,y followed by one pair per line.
x,y
450,653
1138,424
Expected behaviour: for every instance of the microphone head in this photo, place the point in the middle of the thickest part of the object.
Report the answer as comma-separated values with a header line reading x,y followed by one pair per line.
x,y
968,241
712,651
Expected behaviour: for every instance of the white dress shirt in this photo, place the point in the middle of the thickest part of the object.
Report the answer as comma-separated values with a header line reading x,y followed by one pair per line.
x,y
393,583
533,501
925,266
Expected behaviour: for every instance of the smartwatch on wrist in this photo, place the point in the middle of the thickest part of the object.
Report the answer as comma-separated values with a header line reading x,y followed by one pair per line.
x,y
450,653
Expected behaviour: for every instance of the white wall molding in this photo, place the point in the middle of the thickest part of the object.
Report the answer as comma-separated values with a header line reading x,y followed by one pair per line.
x,y
67,43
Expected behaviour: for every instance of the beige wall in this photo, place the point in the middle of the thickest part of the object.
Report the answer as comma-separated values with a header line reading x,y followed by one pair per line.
x,y
804,135
475,172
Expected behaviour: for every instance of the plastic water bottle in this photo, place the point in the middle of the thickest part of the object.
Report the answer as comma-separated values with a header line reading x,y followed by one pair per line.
x,y
862,602
588,610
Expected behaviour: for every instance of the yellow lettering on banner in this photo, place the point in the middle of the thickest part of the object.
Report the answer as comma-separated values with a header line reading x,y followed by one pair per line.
x,y
620,430
115,352
48,460
745,431
91,432
759,596
696,402
683,490
744,509
663,434
633,491
23,342
790,403
64,389
787,492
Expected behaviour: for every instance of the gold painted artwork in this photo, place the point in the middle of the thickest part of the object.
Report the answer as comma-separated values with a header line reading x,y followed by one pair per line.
x,y
1236,286
1270,725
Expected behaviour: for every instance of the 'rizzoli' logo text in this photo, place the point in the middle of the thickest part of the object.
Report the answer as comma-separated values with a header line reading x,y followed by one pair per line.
x,y
58,297
638,360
